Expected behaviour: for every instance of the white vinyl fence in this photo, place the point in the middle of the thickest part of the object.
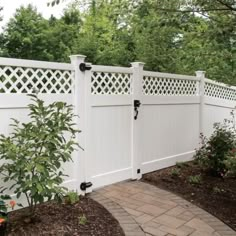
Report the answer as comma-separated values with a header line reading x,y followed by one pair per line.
x,y
120,141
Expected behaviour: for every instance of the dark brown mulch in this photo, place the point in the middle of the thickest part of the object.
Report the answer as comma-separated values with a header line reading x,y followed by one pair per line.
x,y
64,220
214,194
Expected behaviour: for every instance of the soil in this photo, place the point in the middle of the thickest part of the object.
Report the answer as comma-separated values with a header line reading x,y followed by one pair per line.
x,y
214,194
65,220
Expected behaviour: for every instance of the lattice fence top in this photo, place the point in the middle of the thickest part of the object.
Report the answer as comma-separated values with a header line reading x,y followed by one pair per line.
x,y
27,80
104,83
218,91
169,87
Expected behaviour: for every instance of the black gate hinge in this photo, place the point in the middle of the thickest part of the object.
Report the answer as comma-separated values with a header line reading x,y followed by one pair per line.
x,y
83,67
85,185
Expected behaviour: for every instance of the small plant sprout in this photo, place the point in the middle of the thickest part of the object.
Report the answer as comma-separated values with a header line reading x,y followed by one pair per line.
x,y
218,190
71,197
175,172
195,179
181,164
82,220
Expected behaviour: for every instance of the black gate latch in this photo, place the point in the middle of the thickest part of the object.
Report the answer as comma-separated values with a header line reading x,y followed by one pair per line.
x,y
137,104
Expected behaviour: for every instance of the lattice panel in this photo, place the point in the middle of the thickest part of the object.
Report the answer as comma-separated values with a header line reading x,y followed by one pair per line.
x,y
222,92
110,83
169,87
27,80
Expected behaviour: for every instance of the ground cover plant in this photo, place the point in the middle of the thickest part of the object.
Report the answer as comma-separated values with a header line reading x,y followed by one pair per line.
x,y
209,180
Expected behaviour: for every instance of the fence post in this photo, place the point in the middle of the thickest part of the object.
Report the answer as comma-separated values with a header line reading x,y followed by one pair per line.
x,y
80,120
201,75
137,95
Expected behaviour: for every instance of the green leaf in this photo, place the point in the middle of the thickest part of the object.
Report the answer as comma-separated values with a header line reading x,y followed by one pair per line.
x,y
39,187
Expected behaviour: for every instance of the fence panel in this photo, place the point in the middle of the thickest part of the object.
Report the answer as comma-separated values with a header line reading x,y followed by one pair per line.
x,y
109,136
18,78
169,119
220,100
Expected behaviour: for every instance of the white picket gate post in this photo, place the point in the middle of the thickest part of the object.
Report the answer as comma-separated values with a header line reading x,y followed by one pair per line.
x,y
137,95
201,76
80,119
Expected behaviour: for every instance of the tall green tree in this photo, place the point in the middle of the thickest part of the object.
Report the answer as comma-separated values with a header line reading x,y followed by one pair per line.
x,y
29,36
62,35
156,34
23,36
105,38
210,41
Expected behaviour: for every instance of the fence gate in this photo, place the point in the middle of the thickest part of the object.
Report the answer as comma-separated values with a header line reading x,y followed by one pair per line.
x,y
105,99
135,121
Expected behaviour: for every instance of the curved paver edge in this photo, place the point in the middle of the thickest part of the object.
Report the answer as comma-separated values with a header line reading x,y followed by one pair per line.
x,y
126,221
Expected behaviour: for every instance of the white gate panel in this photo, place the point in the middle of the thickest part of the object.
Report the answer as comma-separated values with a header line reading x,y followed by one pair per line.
x,y
109,125
111,144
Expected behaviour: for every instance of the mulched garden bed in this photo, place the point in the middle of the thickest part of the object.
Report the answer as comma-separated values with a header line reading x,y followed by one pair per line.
x,y
65,220
214,194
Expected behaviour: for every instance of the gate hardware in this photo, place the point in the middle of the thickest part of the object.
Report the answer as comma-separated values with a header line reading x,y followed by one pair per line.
x,y
85,185
83,67
138,171
137,104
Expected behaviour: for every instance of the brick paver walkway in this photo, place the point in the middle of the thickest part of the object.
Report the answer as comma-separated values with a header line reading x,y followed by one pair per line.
x,y
145,210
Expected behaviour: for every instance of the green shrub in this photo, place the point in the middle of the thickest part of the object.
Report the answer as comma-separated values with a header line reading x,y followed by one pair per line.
x,y
230,164
175,172
181,164
195,179
34,152
214,150
71,197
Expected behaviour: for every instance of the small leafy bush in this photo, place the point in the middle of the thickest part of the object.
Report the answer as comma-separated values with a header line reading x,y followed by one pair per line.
x,y
230,164
34,152
214,150
71,197
195,179
181,164
175,172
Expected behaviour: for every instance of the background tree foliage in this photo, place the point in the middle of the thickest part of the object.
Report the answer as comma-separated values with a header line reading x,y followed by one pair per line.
x,y
169,36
